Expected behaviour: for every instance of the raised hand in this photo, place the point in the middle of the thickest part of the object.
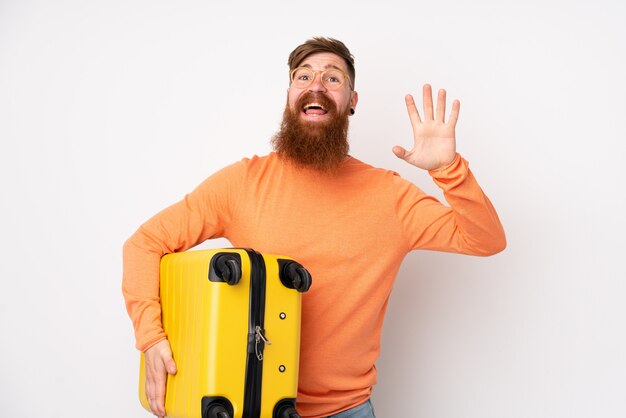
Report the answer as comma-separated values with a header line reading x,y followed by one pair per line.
x,y
434,142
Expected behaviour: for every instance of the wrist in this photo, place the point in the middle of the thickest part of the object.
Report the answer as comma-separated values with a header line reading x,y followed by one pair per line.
x,y
455,159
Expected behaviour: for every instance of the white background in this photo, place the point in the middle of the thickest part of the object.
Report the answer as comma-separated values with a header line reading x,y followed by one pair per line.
x,y
112,110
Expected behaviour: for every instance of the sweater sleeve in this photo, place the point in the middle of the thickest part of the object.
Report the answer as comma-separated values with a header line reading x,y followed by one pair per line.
x,y
470,225
203,214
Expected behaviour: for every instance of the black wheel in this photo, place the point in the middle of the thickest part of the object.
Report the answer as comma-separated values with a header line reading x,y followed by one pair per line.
x,y
228,269
288,412
216,407
218,411
299,277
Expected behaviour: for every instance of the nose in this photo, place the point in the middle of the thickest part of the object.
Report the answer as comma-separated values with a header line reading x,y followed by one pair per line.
x,y
316,84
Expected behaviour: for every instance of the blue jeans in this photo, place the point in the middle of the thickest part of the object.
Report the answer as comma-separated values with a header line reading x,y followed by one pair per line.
x,y
365,410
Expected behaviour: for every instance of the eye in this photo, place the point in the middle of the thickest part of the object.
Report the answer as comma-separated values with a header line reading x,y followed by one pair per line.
x,y
302,75
333,77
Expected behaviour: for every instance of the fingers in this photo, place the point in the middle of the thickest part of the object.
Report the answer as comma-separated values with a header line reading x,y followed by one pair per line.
x,y
400,152
441,105
427,100
412,109
438,114
454,114
168,361
429,111
155,388
159,363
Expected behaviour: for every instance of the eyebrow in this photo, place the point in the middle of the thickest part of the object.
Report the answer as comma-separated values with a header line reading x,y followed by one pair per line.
x,y
327,66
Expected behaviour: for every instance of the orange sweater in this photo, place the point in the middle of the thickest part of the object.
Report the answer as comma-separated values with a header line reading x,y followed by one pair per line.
x,y
351,230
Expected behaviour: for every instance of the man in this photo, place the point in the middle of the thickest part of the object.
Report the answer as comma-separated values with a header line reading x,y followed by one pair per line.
x,y
349,223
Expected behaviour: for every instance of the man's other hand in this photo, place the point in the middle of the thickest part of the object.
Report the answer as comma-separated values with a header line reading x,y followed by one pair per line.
x,y
434,141
158,362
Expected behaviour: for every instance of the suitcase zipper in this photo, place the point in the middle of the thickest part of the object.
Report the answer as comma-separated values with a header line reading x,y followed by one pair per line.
x,y
256,337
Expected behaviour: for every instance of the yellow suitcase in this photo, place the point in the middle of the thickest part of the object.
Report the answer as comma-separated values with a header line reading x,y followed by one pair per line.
x,y
232,317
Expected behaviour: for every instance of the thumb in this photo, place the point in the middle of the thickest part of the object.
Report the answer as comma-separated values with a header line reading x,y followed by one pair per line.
x,y
169,363
400,152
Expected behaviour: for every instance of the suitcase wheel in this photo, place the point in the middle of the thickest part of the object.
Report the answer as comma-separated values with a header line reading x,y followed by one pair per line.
x,y
228,268
286,409
216,407
218,411
297,276
290,413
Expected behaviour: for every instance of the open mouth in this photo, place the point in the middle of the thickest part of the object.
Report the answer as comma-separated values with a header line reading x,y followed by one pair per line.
x,y
314,109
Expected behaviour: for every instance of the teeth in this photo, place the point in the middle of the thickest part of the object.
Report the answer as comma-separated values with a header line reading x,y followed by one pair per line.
x,y
314,105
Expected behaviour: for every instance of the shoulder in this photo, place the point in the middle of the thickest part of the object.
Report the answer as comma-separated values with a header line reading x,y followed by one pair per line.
x,y
258,165
382,180
247,164
357,167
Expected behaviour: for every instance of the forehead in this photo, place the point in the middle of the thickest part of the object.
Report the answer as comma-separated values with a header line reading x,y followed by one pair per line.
x,y
323,60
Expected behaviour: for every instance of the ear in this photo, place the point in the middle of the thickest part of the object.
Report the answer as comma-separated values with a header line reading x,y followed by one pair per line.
x,y
354,98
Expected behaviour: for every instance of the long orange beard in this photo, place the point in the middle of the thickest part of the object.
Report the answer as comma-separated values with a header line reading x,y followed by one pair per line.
x,y
319,145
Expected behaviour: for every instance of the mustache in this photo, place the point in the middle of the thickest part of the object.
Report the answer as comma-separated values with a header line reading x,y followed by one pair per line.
x,y
318,97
